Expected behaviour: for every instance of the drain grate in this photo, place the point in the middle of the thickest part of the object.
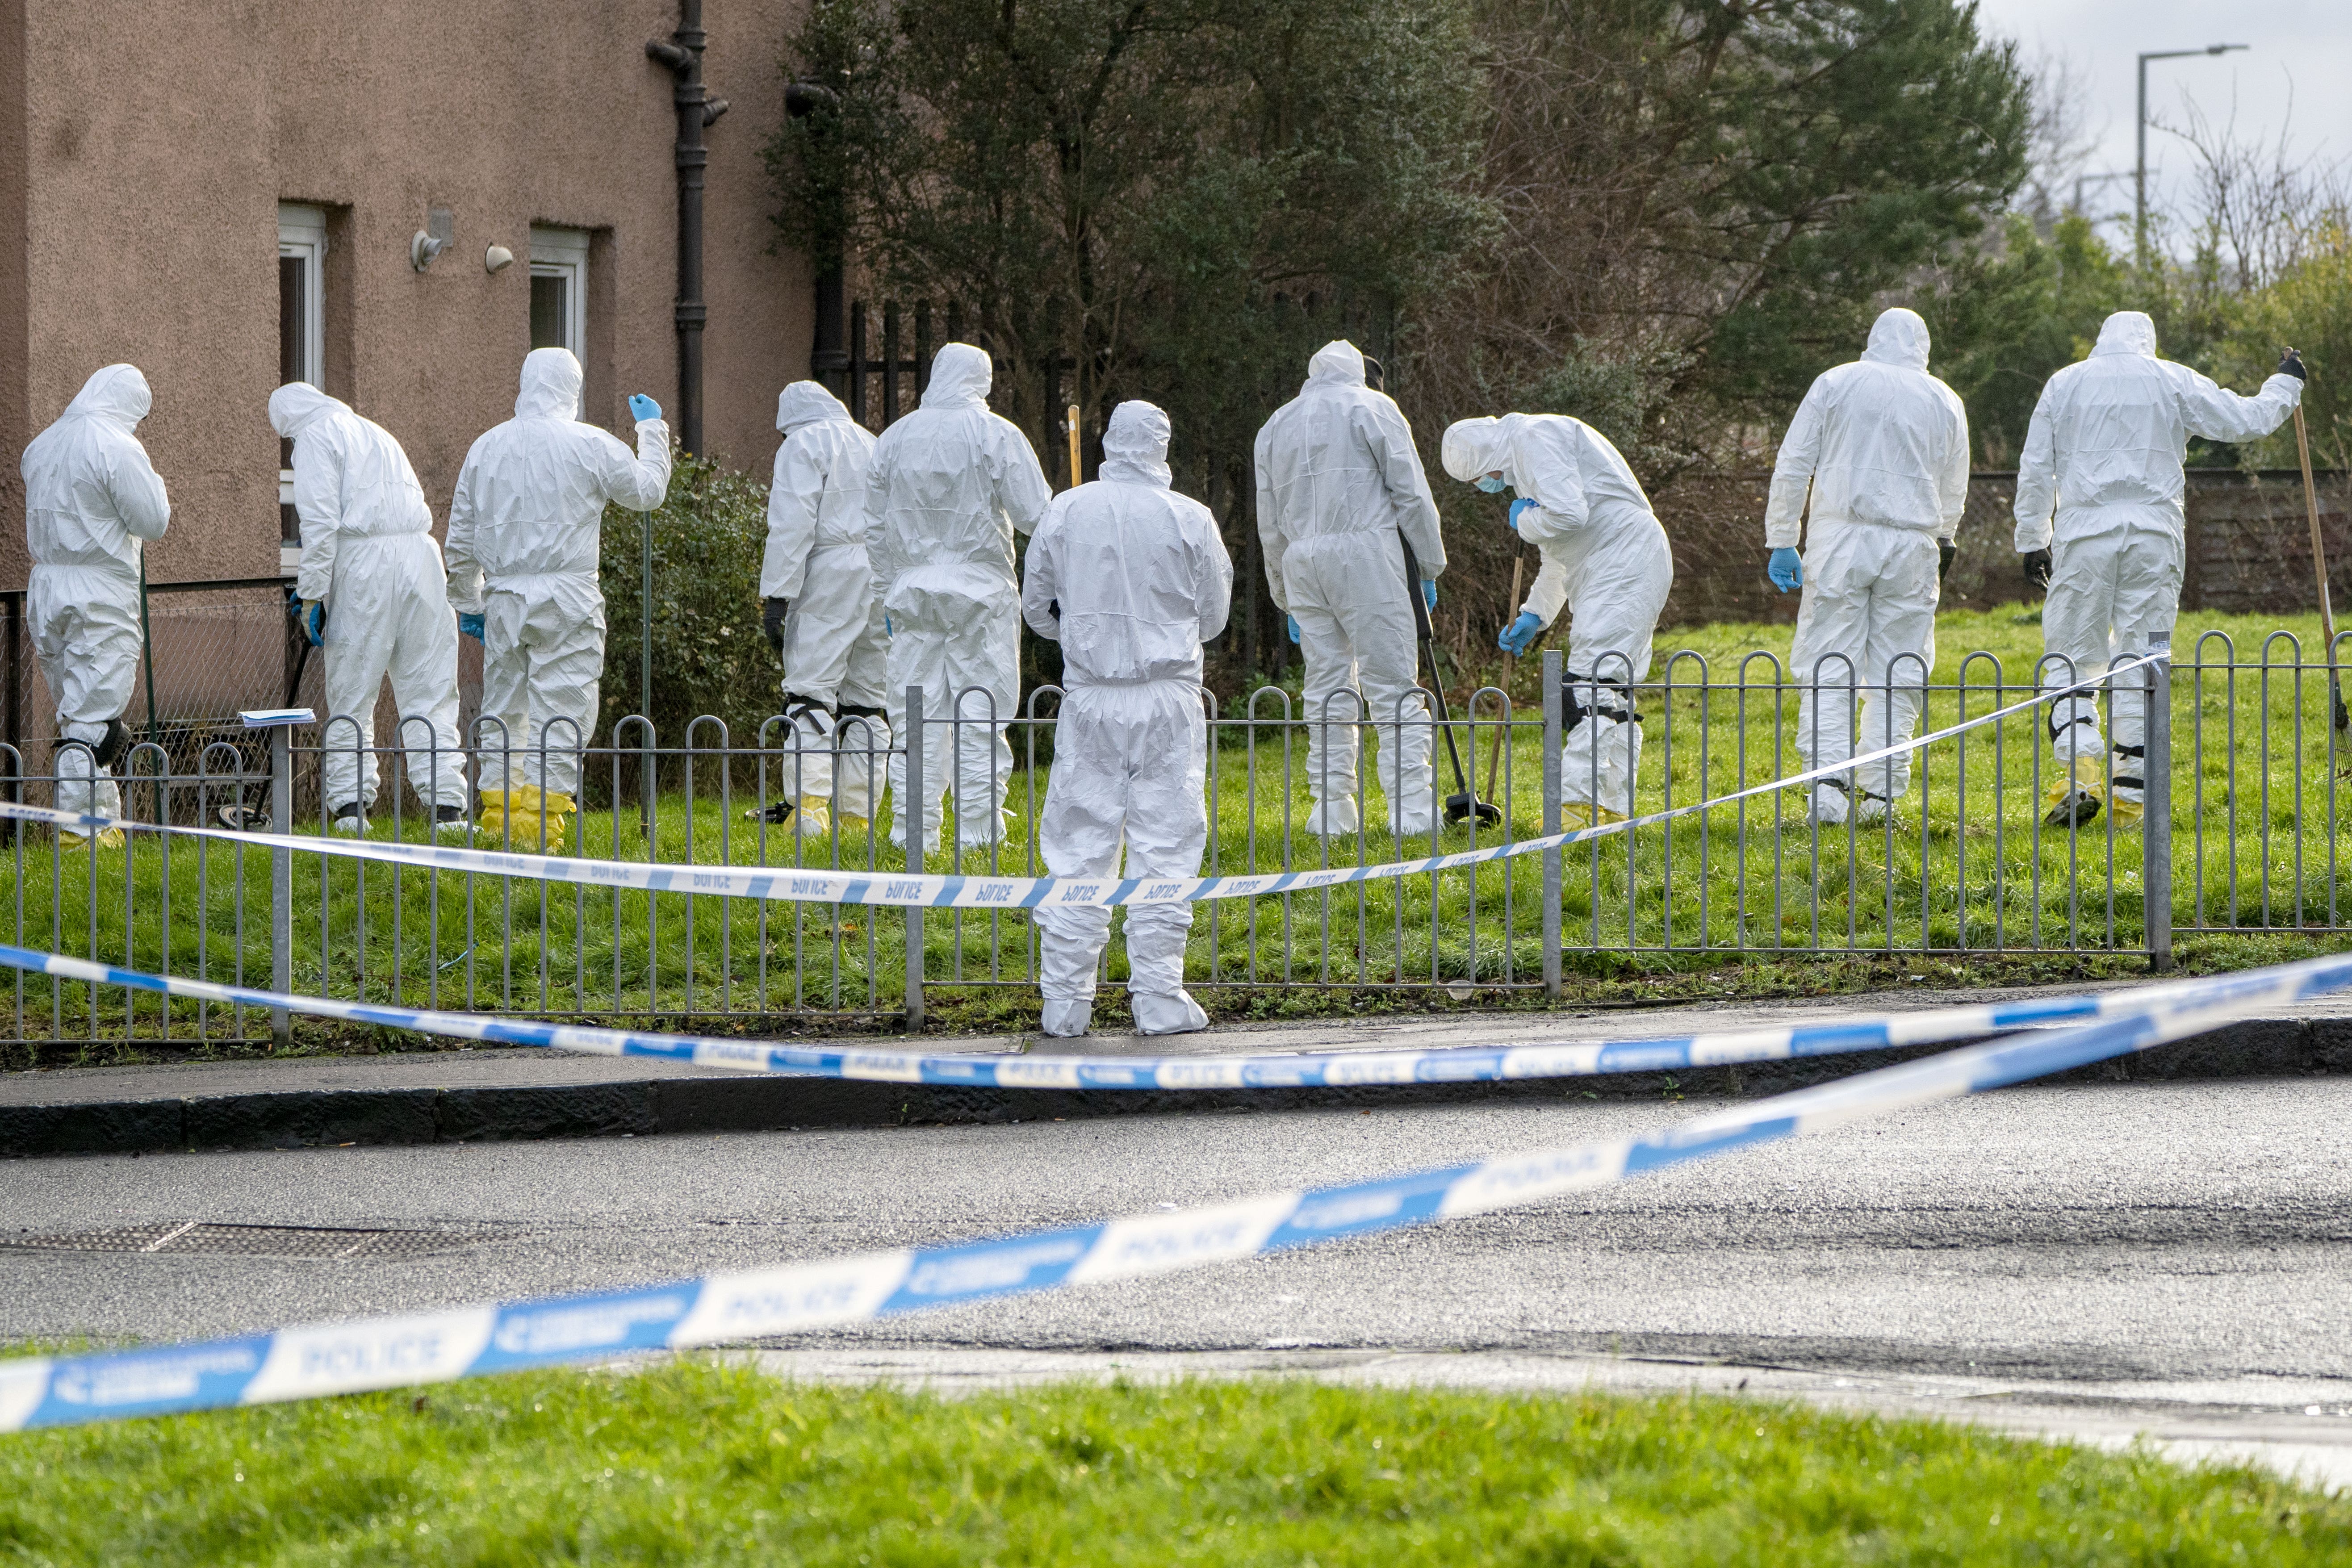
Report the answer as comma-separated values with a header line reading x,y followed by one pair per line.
x,y
192,1238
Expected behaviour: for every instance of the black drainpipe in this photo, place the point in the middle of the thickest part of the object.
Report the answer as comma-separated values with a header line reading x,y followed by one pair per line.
x,y
828,356
696,110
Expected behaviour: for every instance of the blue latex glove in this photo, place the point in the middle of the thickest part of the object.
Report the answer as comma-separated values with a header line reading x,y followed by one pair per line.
x,y
1518,506
642,409
469,625
309,619
1520,633
1491,483
1786,569
1429,592
1292,621
887,629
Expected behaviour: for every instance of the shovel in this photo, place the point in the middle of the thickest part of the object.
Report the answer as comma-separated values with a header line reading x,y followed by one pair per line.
x,y
1464,804
2319,564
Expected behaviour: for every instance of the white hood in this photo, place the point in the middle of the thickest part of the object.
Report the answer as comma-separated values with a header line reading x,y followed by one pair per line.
x,y
1338,363
1135,444
960,377
551,386
1898,338
296,403
117,395
2127,333
1473,446
807,402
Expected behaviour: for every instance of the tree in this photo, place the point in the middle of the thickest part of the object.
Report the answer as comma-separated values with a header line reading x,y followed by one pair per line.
x,y
1176,200
2309,305
2004,319
1170,198
1706,200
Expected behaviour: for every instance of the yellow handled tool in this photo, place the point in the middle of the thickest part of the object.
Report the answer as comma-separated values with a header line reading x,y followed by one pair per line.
x,y
1077,475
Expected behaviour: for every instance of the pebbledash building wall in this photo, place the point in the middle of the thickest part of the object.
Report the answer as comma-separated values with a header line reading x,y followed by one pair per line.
x,y
224,192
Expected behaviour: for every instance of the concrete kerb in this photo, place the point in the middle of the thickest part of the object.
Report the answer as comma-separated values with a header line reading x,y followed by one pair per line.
x,y
485,1096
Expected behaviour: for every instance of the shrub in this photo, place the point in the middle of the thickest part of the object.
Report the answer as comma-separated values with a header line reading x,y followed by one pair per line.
x,y
709,655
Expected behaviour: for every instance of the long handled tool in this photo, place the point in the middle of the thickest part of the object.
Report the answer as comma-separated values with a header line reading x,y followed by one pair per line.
x,y
147,647
1077,476
1464,804
2319,564
1510,663
302,657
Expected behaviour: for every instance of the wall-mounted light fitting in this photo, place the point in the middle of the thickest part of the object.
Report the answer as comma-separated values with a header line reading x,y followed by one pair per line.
x,y
440,225
498,258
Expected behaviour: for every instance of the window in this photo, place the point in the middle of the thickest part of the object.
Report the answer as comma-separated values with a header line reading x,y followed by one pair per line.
x,y
302,329
559,289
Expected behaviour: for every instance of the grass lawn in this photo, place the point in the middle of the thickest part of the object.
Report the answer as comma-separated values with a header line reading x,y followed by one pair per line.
x,y
699,1462
1735,901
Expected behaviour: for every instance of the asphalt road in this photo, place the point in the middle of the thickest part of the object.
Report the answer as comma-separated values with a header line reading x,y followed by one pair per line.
x,y
2135,1243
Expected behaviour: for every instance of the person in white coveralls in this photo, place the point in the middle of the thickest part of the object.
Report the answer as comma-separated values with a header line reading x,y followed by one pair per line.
x,y
1131,578
1879,449
2099,520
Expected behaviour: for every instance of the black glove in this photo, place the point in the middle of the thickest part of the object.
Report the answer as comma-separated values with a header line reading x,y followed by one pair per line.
x,y
1945,551
2291,364
771,621
1054,608
2035,564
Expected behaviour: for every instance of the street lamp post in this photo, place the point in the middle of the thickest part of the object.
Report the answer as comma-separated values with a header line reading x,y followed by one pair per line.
x,y
2139,166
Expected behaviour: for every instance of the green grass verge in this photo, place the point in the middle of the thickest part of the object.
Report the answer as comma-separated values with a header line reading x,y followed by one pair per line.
x,y
704,1463
1724,904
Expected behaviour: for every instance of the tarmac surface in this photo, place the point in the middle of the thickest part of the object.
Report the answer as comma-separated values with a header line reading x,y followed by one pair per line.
x,y
2097,1261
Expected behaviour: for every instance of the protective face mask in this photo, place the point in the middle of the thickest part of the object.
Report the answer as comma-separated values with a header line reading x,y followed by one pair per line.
x,y
1491,483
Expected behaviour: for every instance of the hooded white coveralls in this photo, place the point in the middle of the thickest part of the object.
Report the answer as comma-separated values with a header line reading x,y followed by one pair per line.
x,y
1883,448
2105,450
368,556
949,485
91,501
1131,578
525,529
1605,560
1338,481
835,651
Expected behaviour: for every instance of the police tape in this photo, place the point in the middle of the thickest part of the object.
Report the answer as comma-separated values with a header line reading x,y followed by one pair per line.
x,y
446,1344
795,884
1276,1069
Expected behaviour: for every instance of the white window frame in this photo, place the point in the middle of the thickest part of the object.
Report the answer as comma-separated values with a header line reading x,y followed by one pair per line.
x,y
563,253
303,233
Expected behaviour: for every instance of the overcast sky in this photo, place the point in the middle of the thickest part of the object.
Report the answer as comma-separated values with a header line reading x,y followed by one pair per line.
x,y
2301,49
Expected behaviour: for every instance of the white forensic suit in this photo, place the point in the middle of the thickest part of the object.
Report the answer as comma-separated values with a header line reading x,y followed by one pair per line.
x,y
950,485
525,530
1337,481
1131,578
368,556
835,651
2104,451
1605,560
1883,448
91,502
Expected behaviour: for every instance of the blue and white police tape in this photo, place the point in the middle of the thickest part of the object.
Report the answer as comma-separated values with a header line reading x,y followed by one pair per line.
x,y
794,884
1276,1069
443,1345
